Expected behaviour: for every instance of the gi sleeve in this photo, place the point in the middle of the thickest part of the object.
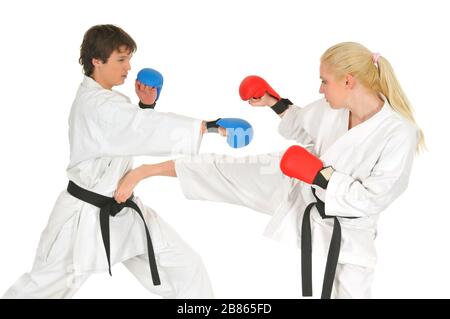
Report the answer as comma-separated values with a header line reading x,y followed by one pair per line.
x,y
291,126
127,130
349,197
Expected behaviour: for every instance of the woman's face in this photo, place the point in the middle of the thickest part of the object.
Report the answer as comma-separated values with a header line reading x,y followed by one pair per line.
x,y
333,90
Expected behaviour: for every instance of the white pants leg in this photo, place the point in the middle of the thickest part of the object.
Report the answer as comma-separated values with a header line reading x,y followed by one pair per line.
x,y
181,270
253,181
51,276
352,281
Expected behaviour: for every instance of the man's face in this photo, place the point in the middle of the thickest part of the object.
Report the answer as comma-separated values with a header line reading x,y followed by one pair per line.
x,y
115,70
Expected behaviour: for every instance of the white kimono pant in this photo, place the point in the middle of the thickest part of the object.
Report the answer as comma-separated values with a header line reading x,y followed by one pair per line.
x,y
181,270
256,182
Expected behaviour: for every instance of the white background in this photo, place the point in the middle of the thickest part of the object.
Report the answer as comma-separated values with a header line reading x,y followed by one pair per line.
x,y
204,49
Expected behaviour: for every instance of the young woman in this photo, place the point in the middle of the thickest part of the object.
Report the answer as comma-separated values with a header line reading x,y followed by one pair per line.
x,y
365,135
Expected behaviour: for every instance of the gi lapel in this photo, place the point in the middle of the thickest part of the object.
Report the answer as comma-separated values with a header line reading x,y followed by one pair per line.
x,y
355,136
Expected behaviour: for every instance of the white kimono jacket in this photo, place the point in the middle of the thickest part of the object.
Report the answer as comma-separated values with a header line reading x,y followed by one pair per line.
x,y
106,130
372,163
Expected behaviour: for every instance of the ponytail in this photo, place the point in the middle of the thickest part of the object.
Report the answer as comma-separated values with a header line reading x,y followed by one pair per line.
x,y
374,72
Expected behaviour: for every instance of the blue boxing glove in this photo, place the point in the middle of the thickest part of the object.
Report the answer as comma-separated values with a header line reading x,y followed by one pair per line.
x,y
152,78
239,131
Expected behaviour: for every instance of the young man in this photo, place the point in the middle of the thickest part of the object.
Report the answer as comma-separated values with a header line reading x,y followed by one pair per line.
x,y
106,130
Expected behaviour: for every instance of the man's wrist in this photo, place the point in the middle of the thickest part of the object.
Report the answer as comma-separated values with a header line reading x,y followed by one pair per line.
x,y
203,127
147,106
212,126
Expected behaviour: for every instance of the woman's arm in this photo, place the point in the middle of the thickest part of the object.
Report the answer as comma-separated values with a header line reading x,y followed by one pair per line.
x,y
350,197
132,178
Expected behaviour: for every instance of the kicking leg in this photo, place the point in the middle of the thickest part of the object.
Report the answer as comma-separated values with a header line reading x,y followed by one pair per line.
x,y
255,182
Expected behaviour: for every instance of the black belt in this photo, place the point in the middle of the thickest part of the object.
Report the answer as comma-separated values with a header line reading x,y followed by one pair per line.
x,y
108,206
333,250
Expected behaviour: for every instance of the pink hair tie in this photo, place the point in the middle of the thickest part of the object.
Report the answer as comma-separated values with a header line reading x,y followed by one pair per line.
x,y
375,57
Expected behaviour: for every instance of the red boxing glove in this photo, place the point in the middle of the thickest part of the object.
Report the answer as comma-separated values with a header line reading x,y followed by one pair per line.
x,y
254,86
298,163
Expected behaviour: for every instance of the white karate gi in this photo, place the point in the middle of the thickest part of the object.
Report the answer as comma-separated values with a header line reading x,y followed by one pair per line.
x,y
372,163
106,130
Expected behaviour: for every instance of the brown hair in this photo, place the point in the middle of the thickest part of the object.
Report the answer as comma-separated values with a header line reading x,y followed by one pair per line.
x,y
100,41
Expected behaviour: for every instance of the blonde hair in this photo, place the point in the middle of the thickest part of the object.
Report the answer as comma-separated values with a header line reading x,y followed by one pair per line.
x,y
353,58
